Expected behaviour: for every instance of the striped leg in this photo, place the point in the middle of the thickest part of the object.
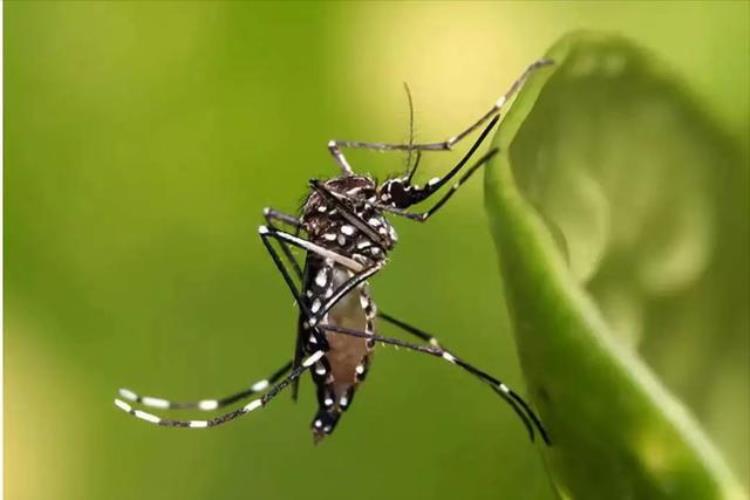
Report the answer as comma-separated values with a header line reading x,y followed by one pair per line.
x,y
421,334
205,404
272,216
335,147
227,417
423,216
318,309
522,409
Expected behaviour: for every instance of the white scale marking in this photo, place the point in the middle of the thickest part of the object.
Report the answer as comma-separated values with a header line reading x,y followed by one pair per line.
x,y
198,424
123,406
317,249
252,405
260,386
147,416
208,404
347,229
504,388
322,209
315,306
128,394
343,401
360,369
321,279
433,181
328,402
364,301
449,357
320,370
374,222
155,402
341,240
363,244
329,236
318,423
312,359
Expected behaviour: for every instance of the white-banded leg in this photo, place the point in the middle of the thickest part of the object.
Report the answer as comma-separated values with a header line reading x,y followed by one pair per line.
x,y
349,263
522,409
318,309
423,216
335,146
420,334
398,194
227,417
271,215
205,404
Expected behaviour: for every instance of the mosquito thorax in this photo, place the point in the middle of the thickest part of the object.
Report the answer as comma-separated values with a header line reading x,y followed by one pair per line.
x,y
370,236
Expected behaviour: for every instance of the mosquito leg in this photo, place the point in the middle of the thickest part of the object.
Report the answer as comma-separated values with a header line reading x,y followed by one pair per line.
x,y
317,309
335,146
348,263
272,215
353,282
206,404
232,415
447,196
424,216
421,334
417,194
522,409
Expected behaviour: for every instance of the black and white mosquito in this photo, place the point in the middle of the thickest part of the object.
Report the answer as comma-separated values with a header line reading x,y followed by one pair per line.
x,y
346,238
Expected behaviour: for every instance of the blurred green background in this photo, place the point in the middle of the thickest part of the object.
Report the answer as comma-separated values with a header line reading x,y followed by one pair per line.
x,y
141,143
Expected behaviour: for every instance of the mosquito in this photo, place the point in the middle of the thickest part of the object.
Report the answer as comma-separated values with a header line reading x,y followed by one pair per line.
x,y
346,239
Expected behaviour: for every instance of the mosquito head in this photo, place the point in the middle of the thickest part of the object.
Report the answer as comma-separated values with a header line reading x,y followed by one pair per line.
x,y
400,193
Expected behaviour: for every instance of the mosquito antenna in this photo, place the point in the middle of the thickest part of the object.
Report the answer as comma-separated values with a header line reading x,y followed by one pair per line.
x,y
409,168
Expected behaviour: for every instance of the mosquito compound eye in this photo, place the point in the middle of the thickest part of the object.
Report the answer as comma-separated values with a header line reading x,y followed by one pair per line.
x,y
397,195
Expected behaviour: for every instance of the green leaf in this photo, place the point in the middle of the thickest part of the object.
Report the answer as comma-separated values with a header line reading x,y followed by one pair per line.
x,y
599,206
